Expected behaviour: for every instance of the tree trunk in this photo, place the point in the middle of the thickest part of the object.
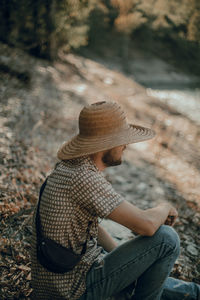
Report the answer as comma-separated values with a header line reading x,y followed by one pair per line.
x,y
50,23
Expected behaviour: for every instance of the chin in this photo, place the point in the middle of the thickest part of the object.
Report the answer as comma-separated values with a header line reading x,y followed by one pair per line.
x,y
112,163
111,160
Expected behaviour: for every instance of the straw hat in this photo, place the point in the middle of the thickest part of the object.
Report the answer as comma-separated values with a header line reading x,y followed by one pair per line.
x,y
102,126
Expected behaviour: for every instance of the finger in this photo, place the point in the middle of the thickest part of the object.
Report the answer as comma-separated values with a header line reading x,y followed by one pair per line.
x,y
171,218
174,220
168,221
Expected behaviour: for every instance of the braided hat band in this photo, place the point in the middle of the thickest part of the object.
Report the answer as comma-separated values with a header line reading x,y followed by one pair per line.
x,y
102,126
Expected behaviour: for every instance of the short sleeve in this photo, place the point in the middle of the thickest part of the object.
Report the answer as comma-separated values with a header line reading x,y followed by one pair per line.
x,y
93,192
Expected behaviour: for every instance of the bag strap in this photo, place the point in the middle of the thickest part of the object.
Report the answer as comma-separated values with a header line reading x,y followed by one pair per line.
x,y
38,221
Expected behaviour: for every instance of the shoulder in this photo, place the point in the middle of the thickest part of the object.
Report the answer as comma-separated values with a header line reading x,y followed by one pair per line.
x,y
89,176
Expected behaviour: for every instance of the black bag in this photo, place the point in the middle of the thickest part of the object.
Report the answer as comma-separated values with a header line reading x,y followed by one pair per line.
x,y
56,258
52,255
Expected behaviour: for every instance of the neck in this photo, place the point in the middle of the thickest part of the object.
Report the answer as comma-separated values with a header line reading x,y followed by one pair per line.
x,y
97,159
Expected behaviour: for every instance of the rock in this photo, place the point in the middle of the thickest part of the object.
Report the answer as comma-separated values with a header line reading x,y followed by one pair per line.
x,y
108,81
159,190
120,179
128,187
142,186
117,231
192,250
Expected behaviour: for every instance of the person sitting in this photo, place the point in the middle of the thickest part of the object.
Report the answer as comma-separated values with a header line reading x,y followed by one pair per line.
x,y
77,195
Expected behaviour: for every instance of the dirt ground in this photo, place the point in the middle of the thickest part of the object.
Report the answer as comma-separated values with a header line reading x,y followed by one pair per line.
x,y
40,103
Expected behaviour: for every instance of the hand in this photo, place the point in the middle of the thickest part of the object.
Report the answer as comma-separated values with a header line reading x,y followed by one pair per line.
x,y
172,216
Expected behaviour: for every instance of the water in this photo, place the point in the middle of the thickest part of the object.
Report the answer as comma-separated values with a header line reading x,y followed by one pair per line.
x,y
187,102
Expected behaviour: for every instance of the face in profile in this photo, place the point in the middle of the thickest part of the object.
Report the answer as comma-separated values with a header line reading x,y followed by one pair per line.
x,y
113,157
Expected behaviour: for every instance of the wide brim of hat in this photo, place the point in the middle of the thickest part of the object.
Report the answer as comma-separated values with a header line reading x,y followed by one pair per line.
x,y
80,146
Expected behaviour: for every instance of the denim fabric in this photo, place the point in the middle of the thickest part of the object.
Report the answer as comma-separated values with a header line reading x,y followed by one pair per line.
x,y
145,260
175,289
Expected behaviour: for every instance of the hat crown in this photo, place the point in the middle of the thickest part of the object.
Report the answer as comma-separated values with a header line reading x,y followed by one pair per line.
x,y
102,126
101,118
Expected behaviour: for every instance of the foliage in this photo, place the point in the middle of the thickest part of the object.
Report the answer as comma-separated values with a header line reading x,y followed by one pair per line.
x,y
175,16
44,27
181,18
129,18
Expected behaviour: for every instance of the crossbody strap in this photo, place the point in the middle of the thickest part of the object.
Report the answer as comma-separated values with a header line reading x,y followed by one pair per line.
x,y
38,221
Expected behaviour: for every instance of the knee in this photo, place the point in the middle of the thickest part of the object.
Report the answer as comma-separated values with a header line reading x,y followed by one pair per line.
x,y
170,237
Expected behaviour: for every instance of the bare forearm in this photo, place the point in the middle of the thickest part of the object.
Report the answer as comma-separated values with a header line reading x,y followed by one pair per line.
x,y
143,222
158,215
105,239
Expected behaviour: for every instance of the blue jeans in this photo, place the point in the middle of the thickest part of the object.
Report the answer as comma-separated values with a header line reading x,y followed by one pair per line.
x,y
145,261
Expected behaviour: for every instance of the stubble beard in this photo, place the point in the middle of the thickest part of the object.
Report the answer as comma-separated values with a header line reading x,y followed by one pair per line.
x,y
109,160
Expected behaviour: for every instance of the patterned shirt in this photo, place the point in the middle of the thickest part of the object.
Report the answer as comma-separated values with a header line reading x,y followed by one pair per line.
x,y
76,193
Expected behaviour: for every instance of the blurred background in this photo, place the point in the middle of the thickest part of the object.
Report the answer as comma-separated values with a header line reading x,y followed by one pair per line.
x,y
56,57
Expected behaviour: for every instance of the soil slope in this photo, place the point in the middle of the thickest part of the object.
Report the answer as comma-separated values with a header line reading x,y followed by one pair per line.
x,y
40,103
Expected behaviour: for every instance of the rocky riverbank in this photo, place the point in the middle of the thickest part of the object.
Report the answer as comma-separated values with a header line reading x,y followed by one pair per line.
x,y
39,104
